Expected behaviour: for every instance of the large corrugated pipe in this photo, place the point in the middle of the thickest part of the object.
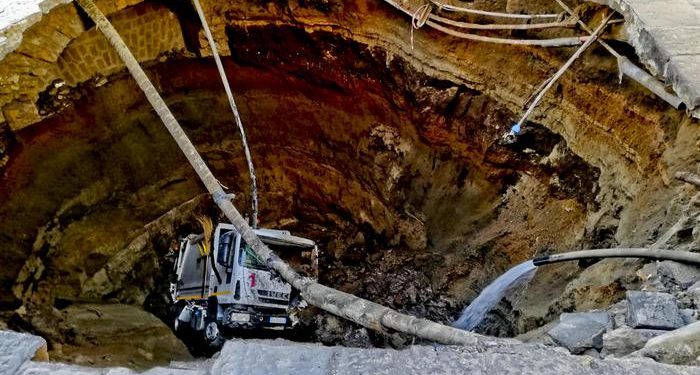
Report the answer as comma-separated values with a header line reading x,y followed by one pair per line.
x,y
677,256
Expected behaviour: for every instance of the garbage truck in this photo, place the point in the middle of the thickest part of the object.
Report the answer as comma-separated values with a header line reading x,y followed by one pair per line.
x,y
223,285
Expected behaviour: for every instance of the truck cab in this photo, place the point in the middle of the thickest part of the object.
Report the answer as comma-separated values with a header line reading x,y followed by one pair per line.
x,y
224,285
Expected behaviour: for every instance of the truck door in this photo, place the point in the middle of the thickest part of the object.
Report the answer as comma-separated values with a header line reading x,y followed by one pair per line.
x,y
193,276
226,241
259,287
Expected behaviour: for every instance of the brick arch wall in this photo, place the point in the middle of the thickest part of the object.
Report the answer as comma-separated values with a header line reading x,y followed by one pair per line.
x,y
60,47
148,29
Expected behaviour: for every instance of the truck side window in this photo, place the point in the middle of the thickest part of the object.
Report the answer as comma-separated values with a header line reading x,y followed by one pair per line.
x,y
225,246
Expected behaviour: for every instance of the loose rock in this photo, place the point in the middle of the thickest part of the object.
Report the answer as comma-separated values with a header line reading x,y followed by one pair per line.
x,y
651,278
689,316
117,333
625,340
618,313
679,274
653,310
694,294
580,331
681,346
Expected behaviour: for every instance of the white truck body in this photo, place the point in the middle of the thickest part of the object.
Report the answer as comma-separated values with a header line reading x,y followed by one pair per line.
x,y
226,284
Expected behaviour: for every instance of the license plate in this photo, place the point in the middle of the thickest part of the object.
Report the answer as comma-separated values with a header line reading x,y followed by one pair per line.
x,y
239,317
276,320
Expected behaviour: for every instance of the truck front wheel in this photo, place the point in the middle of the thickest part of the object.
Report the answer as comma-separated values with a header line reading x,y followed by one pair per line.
x,y
213,337
175,315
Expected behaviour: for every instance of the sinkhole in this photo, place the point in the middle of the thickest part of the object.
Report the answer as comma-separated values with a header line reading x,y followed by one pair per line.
x,y
389,156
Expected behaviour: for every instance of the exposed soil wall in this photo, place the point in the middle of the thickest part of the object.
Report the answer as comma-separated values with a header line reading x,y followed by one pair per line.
x,y
387,155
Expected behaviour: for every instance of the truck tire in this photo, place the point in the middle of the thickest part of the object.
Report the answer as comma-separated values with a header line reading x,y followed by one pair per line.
x,y
176,325
213,338
175,311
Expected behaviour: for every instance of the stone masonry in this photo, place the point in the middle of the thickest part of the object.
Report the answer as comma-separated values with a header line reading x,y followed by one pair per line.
x,y
59,48
147,32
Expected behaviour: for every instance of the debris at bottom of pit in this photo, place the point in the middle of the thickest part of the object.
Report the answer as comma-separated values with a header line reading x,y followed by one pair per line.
x,y
579,332
331,330
259,357
625,340
653,310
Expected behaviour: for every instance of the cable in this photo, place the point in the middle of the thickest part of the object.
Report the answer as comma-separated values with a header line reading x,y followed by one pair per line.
x,y
560,72
452,8
556,42
236,115
496,26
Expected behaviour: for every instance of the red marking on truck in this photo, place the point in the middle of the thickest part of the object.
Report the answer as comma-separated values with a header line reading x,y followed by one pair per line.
x,y
252,280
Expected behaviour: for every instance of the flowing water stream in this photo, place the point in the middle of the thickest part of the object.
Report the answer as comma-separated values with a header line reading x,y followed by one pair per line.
x,y
473,314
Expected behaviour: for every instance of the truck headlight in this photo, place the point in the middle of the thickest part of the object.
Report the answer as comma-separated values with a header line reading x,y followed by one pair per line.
x,y
240,317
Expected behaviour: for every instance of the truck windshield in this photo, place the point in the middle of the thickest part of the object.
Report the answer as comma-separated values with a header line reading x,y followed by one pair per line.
x,y
249,259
